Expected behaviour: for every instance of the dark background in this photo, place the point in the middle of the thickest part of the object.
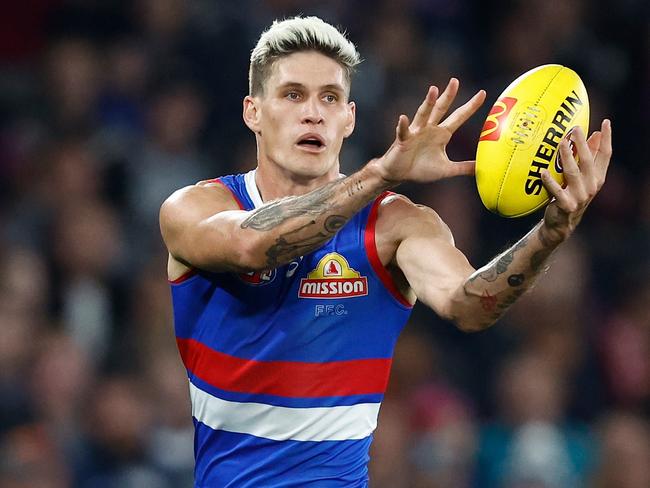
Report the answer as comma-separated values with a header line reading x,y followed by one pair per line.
x,y
108,107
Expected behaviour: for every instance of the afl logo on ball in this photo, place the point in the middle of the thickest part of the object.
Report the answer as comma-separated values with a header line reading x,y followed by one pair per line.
x,y
496,119
258,278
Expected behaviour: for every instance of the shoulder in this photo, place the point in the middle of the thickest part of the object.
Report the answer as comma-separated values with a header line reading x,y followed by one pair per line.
x,y
197,201
398,218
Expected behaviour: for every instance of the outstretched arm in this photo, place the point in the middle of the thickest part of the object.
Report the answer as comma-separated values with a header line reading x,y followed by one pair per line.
x,y
202,229
441,276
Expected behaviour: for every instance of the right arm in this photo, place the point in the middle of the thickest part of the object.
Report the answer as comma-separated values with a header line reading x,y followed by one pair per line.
x,y
202,229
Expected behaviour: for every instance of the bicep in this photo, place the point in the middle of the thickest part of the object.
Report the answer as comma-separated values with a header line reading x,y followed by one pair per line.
x,y
202,229
431,263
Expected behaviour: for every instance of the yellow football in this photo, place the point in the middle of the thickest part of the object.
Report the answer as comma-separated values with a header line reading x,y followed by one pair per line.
x,y
521,135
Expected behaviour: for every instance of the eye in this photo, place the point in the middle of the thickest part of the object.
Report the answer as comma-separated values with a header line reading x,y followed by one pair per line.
x,y
330,98
292,96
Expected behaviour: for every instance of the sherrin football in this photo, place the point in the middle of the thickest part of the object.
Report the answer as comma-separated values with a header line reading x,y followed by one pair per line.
x,y
521,136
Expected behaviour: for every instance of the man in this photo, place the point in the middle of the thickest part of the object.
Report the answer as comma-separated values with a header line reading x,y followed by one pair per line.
x,y
291,283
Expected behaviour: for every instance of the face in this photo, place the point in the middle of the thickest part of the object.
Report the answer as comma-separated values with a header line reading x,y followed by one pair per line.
x,y
303,115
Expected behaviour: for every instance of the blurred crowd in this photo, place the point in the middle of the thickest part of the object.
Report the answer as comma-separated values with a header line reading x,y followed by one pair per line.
x,y
107,107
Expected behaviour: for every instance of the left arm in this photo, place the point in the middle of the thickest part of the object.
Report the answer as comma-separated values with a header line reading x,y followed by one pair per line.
x,y
443,279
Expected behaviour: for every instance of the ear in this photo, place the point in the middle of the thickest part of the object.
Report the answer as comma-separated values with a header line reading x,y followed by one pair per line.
x,y
352,115
251,113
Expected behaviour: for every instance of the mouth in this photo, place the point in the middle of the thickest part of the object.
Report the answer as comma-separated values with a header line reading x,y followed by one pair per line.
x,y
311,143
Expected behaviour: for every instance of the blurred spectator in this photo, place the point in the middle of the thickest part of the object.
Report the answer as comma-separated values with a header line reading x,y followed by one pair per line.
x,y
119,422
624,346
532,444
60,387
390,466
426,436
624,452
30,459
121,106
151,313
87,249
74,80
444,430
24,295
171,445
168,159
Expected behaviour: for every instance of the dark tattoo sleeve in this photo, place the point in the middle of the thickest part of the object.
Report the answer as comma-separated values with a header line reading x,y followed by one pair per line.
x,y
500,264
291,244
502,281
275,213
303,223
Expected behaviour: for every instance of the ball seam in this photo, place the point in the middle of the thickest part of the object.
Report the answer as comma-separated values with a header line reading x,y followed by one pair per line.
x,y
514,150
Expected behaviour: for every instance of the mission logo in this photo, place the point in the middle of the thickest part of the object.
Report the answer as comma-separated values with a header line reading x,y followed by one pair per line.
x,y
333,278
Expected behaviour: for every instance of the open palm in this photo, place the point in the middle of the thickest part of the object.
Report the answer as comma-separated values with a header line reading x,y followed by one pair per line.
x,y
419,150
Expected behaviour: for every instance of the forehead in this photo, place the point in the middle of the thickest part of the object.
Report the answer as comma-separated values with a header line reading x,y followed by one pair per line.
x,y
309,68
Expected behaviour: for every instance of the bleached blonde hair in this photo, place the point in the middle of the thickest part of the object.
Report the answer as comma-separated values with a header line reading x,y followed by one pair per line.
x,y
299,34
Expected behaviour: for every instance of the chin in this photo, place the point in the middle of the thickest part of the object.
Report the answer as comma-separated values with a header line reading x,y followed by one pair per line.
x,y
312,167
316,171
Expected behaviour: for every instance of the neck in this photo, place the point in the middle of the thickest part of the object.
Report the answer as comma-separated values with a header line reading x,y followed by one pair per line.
x,y
276,182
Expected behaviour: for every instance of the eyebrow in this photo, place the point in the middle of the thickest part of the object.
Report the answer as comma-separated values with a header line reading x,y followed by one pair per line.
x,y
329,87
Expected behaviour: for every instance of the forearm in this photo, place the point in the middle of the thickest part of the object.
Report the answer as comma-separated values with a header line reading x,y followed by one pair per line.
x,y
492,289
297,225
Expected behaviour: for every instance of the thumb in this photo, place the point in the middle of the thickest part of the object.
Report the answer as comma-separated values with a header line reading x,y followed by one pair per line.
x,y
462,168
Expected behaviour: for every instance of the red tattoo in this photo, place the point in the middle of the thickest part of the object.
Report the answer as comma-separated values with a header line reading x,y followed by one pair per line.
x,y
488,302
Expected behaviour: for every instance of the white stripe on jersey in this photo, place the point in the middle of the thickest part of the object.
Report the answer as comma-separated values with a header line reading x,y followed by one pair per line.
x,y
251,188
254,192
285,423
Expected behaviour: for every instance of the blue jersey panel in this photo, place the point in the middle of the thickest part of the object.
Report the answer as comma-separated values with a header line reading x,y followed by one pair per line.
x,y
329,319
244,461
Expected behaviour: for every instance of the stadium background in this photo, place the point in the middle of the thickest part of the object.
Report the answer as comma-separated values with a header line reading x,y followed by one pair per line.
x,y
106,107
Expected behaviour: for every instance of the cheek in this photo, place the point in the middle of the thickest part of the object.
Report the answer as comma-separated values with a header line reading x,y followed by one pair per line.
x,y
277,121
344,117
341,127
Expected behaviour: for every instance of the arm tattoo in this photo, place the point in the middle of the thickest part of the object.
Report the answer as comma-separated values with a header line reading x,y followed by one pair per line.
x,y
498,297
505,303
501,264
275,213
303,223
285,248
515,280
538,259
334,222
355,187
488,302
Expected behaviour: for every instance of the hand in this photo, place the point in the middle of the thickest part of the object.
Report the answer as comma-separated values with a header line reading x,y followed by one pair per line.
x,y
419,151
582,182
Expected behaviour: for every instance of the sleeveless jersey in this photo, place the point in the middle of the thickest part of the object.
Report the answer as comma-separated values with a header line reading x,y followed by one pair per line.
x,y
287,368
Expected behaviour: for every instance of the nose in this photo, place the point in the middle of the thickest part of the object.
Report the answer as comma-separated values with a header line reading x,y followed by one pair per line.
x,y
311,111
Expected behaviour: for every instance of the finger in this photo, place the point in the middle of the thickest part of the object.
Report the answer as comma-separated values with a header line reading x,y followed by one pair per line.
x,y
402,130
464,112
424,110
605,148
594,142
554,188
569,164
584,153
462,168
444,101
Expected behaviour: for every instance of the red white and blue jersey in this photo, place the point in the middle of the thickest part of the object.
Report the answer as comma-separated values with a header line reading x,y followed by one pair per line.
x,y
288,367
